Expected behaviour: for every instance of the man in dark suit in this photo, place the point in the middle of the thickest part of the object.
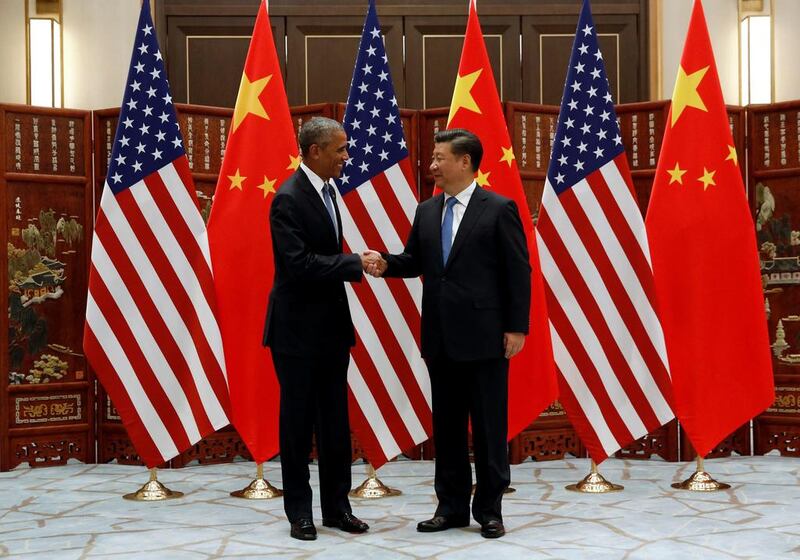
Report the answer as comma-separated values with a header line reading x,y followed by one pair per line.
x,y
309,331
470,248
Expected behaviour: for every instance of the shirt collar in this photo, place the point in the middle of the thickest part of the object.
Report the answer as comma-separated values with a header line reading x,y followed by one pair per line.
x,y
464,196
316,180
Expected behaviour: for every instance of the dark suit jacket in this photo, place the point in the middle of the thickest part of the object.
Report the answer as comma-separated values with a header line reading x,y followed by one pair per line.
x,y
485,288
307,312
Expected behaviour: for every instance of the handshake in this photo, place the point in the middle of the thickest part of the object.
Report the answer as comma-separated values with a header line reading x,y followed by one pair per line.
x,y
373,263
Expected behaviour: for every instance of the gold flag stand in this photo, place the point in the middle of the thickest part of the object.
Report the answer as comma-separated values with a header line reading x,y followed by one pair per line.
x,y
700,481
153,491
594,483
373,487
258,489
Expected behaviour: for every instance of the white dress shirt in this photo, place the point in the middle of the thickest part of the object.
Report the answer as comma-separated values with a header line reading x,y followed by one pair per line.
x,y
316,181
459,207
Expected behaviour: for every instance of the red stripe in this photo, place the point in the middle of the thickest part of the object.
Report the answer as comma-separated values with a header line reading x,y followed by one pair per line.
x,y
366,437
158,328
594,314
391,205
397,286
411,179
181,166
140,437
580,422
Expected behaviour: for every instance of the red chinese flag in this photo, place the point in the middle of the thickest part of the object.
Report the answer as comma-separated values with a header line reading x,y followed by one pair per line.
x,y
261,153
705,262
476,106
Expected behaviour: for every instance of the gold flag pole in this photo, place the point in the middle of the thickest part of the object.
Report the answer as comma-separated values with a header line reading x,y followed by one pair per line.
x,y
700,481
153,491
259,488
594,483
373,487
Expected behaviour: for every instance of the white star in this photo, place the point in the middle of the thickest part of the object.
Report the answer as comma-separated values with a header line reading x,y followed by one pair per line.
x,y
124,140
592,92
147,29
151,92
589,110
601,134
120,160
351,143
578,165
148,111
385,59
344,178
598,153
598,55
582,147
586,30
570,123
367,69
356,124
387,137
364,167
139,67
375,32
157,154
559,178
127,122
608,97
595,73
576,86
348,162
167,99
383,75
142,48
384,155
363,87
117,177
158,55
579,67
135,85
605,115
617,140
371,51
371,130
367,148
161,136
137,167
131,104
360,106
164,117
394,101
402,143
375,112
379,94
586,129
583,48
156,73
391,119
140,148
573,105
177,142
566,141
562,160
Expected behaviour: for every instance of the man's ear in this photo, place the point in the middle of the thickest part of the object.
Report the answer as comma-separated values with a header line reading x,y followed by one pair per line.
x,y
313,151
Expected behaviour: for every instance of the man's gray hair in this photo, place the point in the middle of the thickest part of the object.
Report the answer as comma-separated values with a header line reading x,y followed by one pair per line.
x,y
319,131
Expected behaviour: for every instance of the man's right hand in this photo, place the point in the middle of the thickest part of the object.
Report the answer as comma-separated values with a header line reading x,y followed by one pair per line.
x,y
373,263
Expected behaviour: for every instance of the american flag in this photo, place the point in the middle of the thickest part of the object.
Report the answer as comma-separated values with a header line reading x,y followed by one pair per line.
x,y
607,339
151,332
389,386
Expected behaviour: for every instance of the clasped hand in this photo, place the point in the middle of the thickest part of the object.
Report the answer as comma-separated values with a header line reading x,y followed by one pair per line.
x,y
373,263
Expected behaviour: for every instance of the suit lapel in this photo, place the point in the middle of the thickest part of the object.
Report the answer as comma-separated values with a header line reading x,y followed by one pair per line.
x,y
473,212
316,202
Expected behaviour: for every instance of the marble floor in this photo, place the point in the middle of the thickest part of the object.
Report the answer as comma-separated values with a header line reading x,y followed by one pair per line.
x,y
77,511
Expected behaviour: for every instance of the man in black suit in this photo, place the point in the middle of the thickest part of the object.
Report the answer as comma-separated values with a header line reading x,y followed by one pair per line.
x,y
309,331
470,248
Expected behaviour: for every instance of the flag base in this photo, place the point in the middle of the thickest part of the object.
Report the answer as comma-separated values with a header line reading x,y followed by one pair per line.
x,y
259,488
153,491
594,483
700,481
373,488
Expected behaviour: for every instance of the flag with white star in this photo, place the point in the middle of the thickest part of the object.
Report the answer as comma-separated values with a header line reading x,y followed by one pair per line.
x,y
389,384
151,330
607,338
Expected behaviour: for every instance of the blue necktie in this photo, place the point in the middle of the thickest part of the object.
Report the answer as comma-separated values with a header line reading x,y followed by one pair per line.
x,y
328,195
447,229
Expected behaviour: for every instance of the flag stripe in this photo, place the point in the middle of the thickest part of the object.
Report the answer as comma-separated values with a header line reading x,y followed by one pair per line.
x,y
366,412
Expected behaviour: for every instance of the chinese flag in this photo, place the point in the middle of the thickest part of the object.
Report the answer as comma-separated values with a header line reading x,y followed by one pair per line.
x,y
476,106
261,152
705,262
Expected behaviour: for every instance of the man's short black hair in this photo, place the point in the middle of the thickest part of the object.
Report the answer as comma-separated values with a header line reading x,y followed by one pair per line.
x,y
319,131
462,142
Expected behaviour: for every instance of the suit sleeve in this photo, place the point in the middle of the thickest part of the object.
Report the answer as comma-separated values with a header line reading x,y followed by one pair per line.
x,y
514,250
407,264
289,240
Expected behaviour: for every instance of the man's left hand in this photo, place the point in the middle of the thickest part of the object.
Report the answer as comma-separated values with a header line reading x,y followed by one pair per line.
x,y
513,343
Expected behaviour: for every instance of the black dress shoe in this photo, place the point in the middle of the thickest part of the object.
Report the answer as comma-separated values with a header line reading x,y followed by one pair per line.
x,y
492,529
347,522
440,523
304,530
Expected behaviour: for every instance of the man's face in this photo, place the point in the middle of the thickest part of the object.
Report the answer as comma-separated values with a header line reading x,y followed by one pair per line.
x,y
450,171
328,162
